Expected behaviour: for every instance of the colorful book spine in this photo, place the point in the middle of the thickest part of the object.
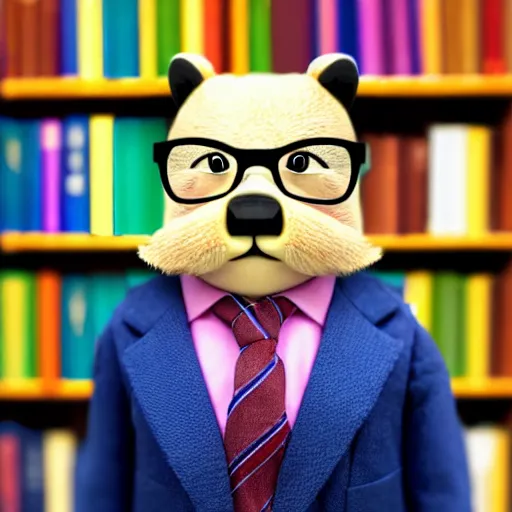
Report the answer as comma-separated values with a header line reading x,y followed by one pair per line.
x,y
260,39
401,44
347,28
214,30
493,38
69,35
147,39
168,32
120,38
30,27
326,35
49,44
192,26
370,19
10,462
418,294
431,42
31,170
101,134
90,39
239,40
74,190
31,469
51,142
415,36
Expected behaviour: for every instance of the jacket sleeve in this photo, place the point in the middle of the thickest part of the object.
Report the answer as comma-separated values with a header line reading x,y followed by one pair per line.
x,y
104,466
435,457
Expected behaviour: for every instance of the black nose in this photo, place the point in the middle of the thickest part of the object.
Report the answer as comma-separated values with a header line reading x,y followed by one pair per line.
x,y
254,215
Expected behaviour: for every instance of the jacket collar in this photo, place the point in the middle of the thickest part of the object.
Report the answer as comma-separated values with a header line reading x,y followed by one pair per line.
x,y
353,363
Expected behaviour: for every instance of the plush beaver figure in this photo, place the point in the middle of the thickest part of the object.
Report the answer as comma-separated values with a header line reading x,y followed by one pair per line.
x,y
264,369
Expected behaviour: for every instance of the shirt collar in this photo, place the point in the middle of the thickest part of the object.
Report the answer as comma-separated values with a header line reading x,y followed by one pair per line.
x,y
313,297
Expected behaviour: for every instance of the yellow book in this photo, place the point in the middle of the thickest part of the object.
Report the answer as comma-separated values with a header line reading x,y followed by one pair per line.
x,y
418,294
192,26
470,23
90,38
478,325
59,458
478,177
239,31
147,39
431,36
101,158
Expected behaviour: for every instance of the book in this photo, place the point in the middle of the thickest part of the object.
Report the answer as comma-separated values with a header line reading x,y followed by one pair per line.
x,y
138,193
120,38
10,461
400,37
18,315
507,33
326,26
503,175
448,319
260,43
30,40
101,134
48,303
478,325
12,186
493,50
49,44
147,39
192,26
478,180
418,294
78,335
452,36
371,37
470,37
12,37
59,458
239,36
69,37
502,326
379,188
415,36
447,180
74,186
214,30
167,32
347,28
90,39
51,142
432,37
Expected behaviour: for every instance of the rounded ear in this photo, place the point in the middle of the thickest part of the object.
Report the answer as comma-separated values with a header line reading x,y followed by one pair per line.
x,y
186,72
338,73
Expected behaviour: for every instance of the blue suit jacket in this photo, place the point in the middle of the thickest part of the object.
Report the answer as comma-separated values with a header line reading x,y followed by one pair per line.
x,y
377,429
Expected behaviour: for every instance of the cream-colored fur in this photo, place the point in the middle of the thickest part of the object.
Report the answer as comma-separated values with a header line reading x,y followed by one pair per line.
x,y
261,111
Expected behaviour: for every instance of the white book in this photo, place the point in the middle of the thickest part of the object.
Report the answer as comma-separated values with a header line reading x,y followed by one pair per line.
x,y
447,177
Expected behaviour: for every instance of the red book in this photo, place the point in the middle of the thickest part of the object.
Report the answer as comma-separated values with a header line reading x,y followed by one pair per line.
x,y
214,30
10,456
494,60
30,19
11,29
292,35
49,45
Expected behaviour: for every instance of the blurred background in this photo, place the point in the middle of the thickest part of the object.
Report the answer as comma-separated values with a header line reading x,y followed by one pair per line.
x,y
83,96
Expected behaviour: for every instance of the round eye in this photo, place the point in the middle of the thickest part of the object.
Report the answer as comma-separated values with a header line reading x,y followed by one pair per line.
x,y
218,163
298,162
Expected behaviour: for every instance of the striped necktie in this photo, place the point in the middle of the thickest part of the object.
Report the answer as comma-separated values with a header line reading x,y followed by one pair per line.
x,y
257,428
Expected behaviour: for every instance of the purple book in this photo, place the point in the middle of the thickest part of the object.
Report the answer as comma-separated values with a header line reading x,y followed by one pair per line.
x,y
400,37
51,142
371,39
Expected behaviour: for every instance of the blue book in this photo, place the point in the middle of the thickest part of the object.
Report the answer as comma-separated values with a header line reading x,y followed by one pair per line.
x,y
77,345
74,189
69,36
12,194
348,41
32,175
414,36
120,38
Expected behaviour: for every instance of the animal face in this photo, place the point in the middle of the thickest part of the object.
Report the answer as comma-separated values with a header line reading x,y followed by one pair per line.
x,y
251,167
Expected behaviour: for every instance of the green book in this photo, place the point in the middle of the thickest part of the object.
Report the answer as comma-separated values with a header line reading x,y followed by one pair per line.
x,y
138,192
167,33
448,315
106,291
260,36
19,325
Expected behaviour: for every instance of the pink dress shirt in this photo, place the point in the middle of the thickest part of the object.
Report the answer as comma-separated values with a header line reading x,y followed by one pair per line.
x,y
217,349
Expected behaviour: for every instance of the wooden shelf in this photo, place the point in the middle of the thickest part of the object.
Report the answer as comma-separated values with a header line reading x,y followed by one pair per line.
x,y
370,86
42,242
79,390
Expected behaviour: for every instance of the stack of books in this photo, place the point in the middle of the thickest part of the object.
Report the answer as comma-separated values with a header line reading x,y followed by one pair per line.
x,y
49,323
89,38
82,174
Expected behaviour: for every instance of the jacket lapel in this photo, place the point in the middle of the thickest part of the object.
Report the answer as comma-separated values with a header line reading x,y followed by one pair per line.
x,y
353,363
168,384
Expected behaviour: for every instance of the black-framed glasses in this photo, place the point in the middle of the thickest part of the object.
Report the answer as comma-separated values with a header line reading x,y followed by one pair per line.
x,y
322,170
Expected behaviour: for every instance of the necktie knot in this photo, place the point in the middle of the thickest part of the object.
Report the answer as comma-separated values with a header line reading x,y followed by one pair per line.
x,y
253,320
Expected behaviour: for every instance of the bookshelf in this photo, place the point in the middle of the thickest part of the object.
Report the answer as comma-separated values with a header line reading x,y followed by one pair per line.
x,y
66,242
370,86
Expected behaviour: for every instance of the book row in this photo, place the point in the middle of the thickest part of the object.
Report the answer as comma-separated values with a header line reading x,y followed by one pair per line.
x,y
37,469
467,316
441,182
88,37
49,323
81,174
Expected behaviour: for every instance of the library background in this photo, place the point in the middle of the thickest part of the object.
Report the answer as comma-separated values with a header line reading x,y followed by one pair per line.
x,y
83,96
